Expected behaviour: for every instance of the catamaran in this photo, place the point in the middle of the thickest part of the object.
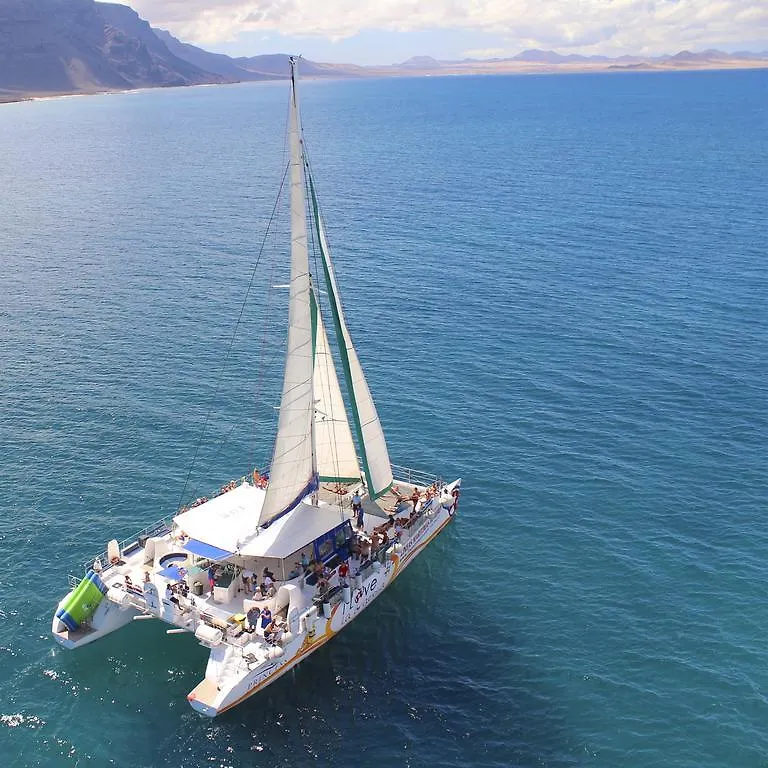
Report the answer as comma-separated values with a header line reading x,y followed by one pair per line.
x,y
273,565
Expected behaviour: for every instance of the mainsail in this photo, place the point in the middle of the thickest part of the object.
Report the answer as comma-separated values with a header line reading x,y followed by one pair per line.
x,y
334,447
293,471
373,446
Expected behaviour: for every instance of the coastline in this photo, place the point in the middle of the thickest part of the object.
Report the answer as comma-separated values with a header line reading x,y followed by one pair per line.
x,y
472,69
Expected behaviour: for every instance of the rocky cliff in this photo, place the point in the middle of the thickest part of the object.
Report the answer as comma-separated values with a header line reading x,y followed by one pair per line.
x,y
71,46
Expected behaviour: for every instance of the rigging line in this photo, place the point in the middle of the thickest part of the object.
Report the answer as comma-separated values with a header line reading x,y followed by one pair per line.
x,y
283,162
232,339
264,363
266,358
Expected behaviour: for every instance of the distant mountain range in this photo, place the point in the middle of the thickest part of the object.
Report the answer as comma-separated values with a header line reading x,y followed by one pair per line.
x,y
50,47
546,60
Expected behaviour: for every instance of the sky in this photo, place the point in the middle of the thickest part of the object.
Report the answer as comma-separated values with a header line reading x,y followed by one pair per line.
x,y
391,31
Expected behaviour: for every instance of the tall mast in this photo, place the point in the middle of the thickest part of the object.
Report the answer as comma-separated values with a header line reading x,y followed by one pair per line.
x,y
293,472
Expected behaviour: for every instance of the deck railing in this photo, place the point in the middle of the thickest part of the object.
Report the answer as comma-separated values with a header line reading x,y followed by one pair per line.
x,y
162,526
414,476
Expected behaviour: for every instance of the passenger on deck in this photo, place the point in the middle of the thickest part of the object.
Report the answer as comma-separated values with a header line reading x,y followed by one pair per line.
x,y
322,587
212,577
304,562
267,587
415,498
365,550
398,530
247,576
357,509
253,616
273,632
343,573
170,595
266,617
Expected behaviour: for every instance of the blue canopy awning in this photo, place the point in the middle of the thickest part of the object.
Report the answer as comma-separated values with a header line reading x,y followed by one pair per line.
x,y
172,572
206,550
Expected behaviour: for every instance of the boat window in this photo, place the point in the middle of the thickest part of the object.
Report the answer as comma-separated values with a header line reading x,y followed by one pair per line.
x,y
325,548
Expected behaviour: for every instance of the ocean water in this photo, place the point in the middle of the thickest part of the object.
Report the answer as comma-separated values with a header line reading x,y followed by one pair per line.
x,y
559,292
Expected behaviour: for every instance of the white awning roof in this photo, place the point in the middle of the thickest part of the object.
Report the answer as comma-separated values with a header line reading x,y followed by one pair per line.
x,y
230,522
289,533
226,521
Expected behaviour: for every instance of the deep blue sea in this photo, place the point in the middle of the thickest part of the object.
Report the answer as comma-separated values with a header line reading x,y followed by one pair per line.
x,y
559,291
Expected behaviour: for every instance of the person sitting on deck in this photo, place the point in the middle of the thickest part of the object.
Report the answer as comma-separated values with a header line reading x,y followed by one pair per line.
x,y
266,617
273,632
267,587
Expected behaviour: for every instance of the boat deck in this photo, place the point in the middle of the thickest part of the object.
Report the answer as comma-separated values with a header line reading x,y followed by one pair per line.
x,y
146,559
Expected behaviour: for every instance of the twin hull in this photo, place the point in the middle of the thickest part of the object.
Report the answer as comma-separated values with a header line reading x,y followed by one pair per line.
x,y
230,678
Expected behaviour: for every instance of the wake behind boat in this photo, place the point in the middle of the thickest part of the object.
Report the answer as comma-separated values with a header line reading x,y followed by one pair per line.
x,y
268,569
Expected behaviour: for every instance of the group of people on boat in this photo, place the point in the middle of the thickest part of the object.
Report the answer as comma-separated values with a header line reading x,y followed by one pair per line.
x,y
251,584
259,481
272,627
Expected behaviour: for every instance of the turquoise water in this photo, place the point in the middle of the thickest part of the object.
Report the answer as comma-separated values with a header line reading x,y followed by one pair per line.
x,y
559,292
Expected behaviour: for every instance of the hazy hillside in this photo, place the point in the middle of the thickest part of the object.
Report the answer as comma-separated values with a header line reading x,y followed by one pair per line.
x,y
219,63
65,46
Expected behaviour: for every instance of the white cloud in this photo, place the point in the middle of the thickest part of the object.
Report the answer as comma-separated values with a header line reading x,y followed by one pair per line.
x,y
595,26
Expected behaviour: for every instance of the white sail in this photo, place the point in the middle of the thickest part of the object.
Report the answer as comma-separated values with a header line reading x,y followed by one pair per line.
x,y
334,447
292,472
376,464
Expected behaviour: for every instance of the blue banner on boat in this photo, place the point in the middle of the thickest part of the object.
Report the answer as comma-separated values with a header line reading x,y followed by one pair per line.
x,y
207,550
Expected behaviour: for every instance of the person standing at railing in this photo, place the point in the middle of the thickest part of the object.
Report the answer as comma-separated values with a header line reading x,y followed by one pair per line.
x,y
357,509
